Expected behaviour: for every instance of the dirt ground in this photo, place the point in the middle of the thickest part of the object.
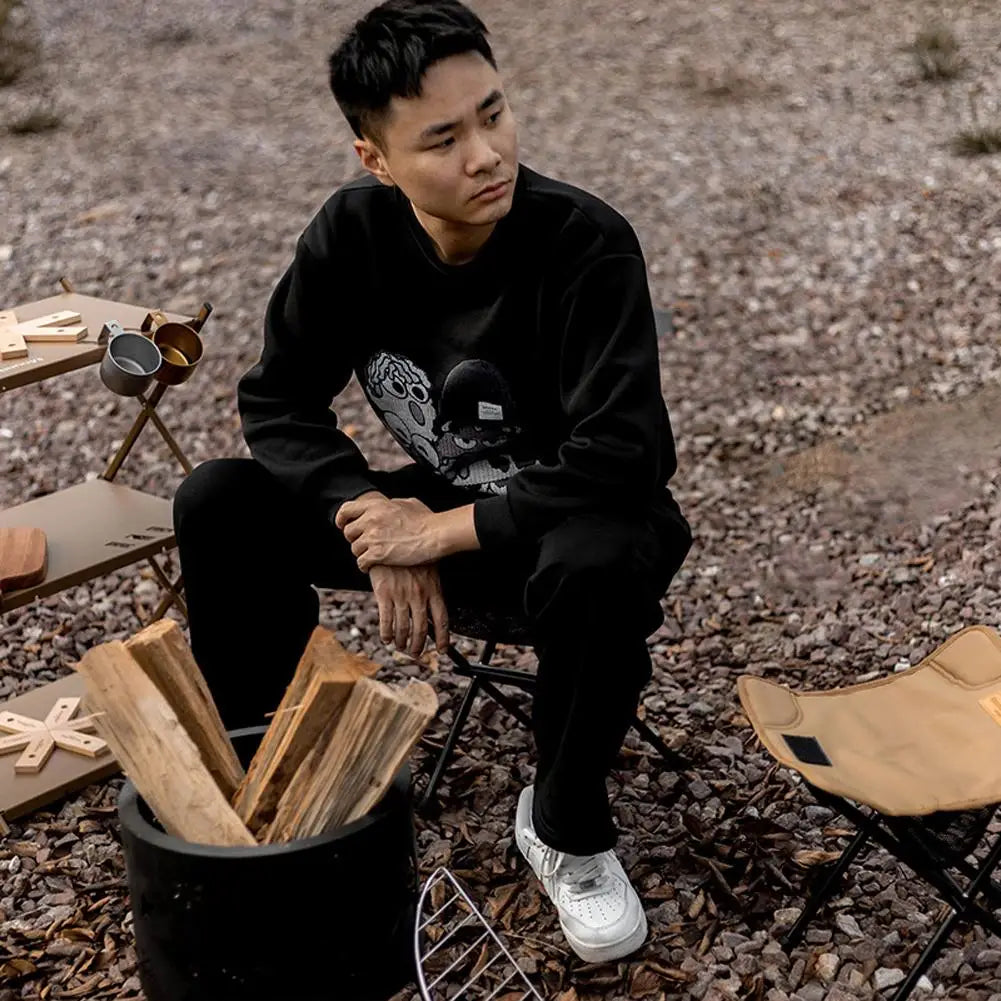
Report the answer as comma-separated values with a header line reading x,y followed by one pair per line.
x,y
833,269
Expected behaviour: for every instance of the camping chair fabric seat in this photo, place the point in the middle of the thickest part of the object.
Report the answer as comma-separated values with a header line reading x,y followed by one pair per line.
x,y
912,744
921,749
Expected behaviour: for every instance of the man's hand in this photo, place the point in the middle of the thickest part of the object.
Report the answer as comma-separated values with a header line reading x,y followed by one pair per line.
x,y
395,532
404,595
403,532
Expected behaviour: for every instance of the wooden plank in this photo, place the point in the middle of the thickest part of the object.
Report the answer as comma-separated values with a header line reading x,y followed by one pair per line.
x,y
16,741
60,318
16,723
52,335
79,743
36,754
343,780
61,713
12,344
155,752
277,758
164,655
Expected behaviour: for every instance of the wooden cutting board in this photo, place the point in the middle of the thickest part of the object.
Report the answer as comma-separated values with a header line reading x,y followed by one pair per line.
x,y
23,558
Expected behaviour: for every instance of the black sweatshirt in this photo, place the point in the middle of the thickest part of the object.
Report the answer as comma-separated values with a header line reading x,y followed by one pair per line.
x,y
527,378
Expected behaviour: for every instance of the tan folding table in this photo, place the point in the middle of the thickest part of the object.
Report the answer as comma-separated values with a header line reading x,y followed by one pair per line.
x,y
98,526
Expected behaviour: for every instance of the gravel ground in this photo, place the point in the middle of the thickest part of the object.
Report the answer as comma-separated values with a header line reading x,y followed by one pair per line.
x,y
834,272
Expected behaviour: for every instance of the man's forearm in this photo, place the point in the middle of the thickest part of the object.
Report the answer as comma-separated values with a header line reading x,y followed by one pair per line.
x,y
455,531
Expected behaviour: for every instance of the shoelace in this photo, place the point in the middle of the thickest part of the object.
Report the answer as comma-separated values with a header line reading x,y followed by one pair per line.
x,y
584,875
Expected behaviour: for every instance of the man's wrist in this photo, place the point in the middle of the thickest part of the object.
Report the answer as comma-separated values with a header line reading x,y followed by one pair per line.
x,y
454,532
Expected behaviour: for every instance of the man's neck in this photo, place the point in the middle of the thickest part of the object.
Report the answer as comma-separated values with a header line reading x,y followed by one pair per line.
x,y
454,243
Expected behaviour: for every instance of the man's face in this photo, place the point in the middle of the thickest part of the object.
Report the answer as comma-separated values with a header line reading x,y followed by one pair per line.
x,y
453,151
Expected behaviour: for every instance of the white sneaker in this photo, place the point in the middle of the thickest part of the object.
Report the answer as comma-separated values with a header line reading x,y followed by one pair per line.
x,y
600,912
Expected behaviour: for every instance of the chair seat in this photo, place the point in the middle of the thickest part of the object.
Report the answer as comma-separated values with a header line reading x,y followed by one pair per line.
x,y
498,626
924,740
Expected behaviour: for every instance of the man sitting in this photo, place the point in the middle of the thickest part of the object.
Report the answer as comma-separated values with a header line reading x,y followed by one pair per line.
x,y
500,325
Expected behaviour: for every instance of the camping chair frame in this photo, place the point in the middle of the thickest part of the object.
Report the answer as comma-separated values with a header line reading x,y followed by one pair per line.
x,y
485,677
909,839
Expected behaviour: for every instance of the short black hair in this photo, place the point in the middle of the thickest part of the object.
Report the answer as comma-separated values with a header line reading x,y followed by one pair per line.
x,y
387,53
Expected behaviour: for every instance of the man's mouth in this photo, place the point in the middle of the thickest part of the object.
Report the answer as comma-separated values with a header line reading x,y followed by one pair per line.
x,y
491,191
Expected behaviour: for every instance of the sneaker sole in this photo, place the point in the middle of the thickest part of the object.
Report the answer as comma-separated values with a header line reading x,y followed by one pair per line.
x,y
612,950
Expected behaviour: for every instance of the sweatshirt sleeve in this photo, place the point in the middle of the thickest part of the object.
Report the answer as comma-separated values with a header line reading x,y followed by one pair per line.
x,y
285,400
617,448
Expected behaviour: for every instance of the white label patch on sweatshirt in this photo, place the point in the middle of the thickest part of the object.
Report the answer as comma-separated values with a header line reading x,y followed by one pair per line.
x,y
490,411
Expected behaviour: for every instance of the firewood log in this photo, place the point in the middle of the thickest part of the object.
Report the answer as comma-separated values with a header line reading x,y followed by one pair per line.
x,y
344,779
309,711
163,653
155,752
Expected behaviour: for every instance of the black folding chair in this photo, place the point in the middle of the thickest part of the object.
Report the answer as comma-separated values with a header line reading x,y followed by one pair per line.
x,y
488,679
913,761
936,848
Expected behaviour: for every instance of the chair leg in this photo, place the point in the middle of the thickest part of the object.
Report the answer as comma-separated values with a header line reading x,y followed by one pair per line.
x,y
821,893
450,741
966,905
506,701
677,762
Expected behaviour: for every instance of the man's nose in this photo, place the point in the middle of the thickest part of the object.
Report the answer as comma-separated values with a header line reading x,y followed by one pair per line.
x,y
482,157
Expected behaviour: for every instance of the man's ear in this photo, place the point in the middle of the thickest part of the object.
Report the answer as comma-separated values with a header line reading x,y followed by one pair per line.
x,y
373,160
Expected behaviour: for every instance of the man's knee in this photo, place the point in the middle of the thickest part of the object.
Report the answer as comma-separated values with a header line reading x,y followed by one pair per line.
x,y
603,569
215,492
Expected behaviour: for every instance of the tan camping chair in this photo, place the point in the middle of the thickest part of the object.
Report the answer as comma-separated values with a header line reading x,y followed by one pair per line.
x,y
922,749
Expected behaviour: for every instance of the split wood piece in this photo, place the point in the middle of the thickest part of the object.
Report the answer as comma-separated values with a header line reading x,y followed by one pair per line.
x,y
342,781
294,731
314,723
23,557
154,751
164,655
7,318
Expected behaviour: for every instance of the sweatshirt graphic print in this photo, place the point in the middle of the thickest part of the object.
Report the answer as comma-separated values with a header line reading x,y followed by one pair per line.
x,y
470,434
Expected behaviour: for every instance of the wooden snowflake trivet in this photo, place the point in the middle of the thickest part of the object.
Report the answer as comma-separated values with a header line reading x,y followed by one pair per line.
x,y
39,738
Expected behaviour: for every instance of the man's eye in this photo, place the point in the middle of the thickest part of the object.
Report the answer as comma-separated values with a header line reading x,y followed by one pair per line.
x,y
445,143
495,116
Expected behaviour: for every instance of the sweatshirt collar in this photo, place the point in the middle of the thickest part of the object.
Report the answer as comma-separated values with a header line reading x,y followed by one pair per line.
x,y
485,256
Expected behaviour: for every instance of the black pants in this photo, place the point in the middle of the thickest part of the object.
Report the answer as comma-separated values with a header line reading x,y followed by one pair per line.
x,y
251,553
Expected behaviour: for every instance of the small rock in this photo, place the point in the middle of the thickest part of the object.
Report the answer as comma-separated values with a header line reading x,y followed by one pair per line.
x,y
847,924
732,939
827,966
812,992
699,789
786,917
838,993
947,965
989,959
886,977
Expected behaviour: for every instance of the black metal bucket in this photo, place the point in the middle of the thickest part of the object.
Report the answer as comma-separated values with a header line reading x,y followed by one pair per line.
x,y
327,918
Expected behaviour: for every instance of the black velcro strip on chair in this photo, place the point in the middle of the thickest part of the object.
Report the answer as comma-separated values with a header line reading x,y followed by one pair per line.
x,y
807,749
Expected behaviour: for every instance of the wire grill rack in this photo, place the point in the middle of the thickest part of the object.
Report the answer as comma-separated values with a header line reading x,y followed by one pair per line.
x,y
453,943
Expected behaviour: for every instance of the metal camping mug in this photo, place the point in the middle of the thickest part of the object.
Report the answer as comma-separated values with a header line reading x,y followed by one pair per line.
x,y
130,362
181,348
